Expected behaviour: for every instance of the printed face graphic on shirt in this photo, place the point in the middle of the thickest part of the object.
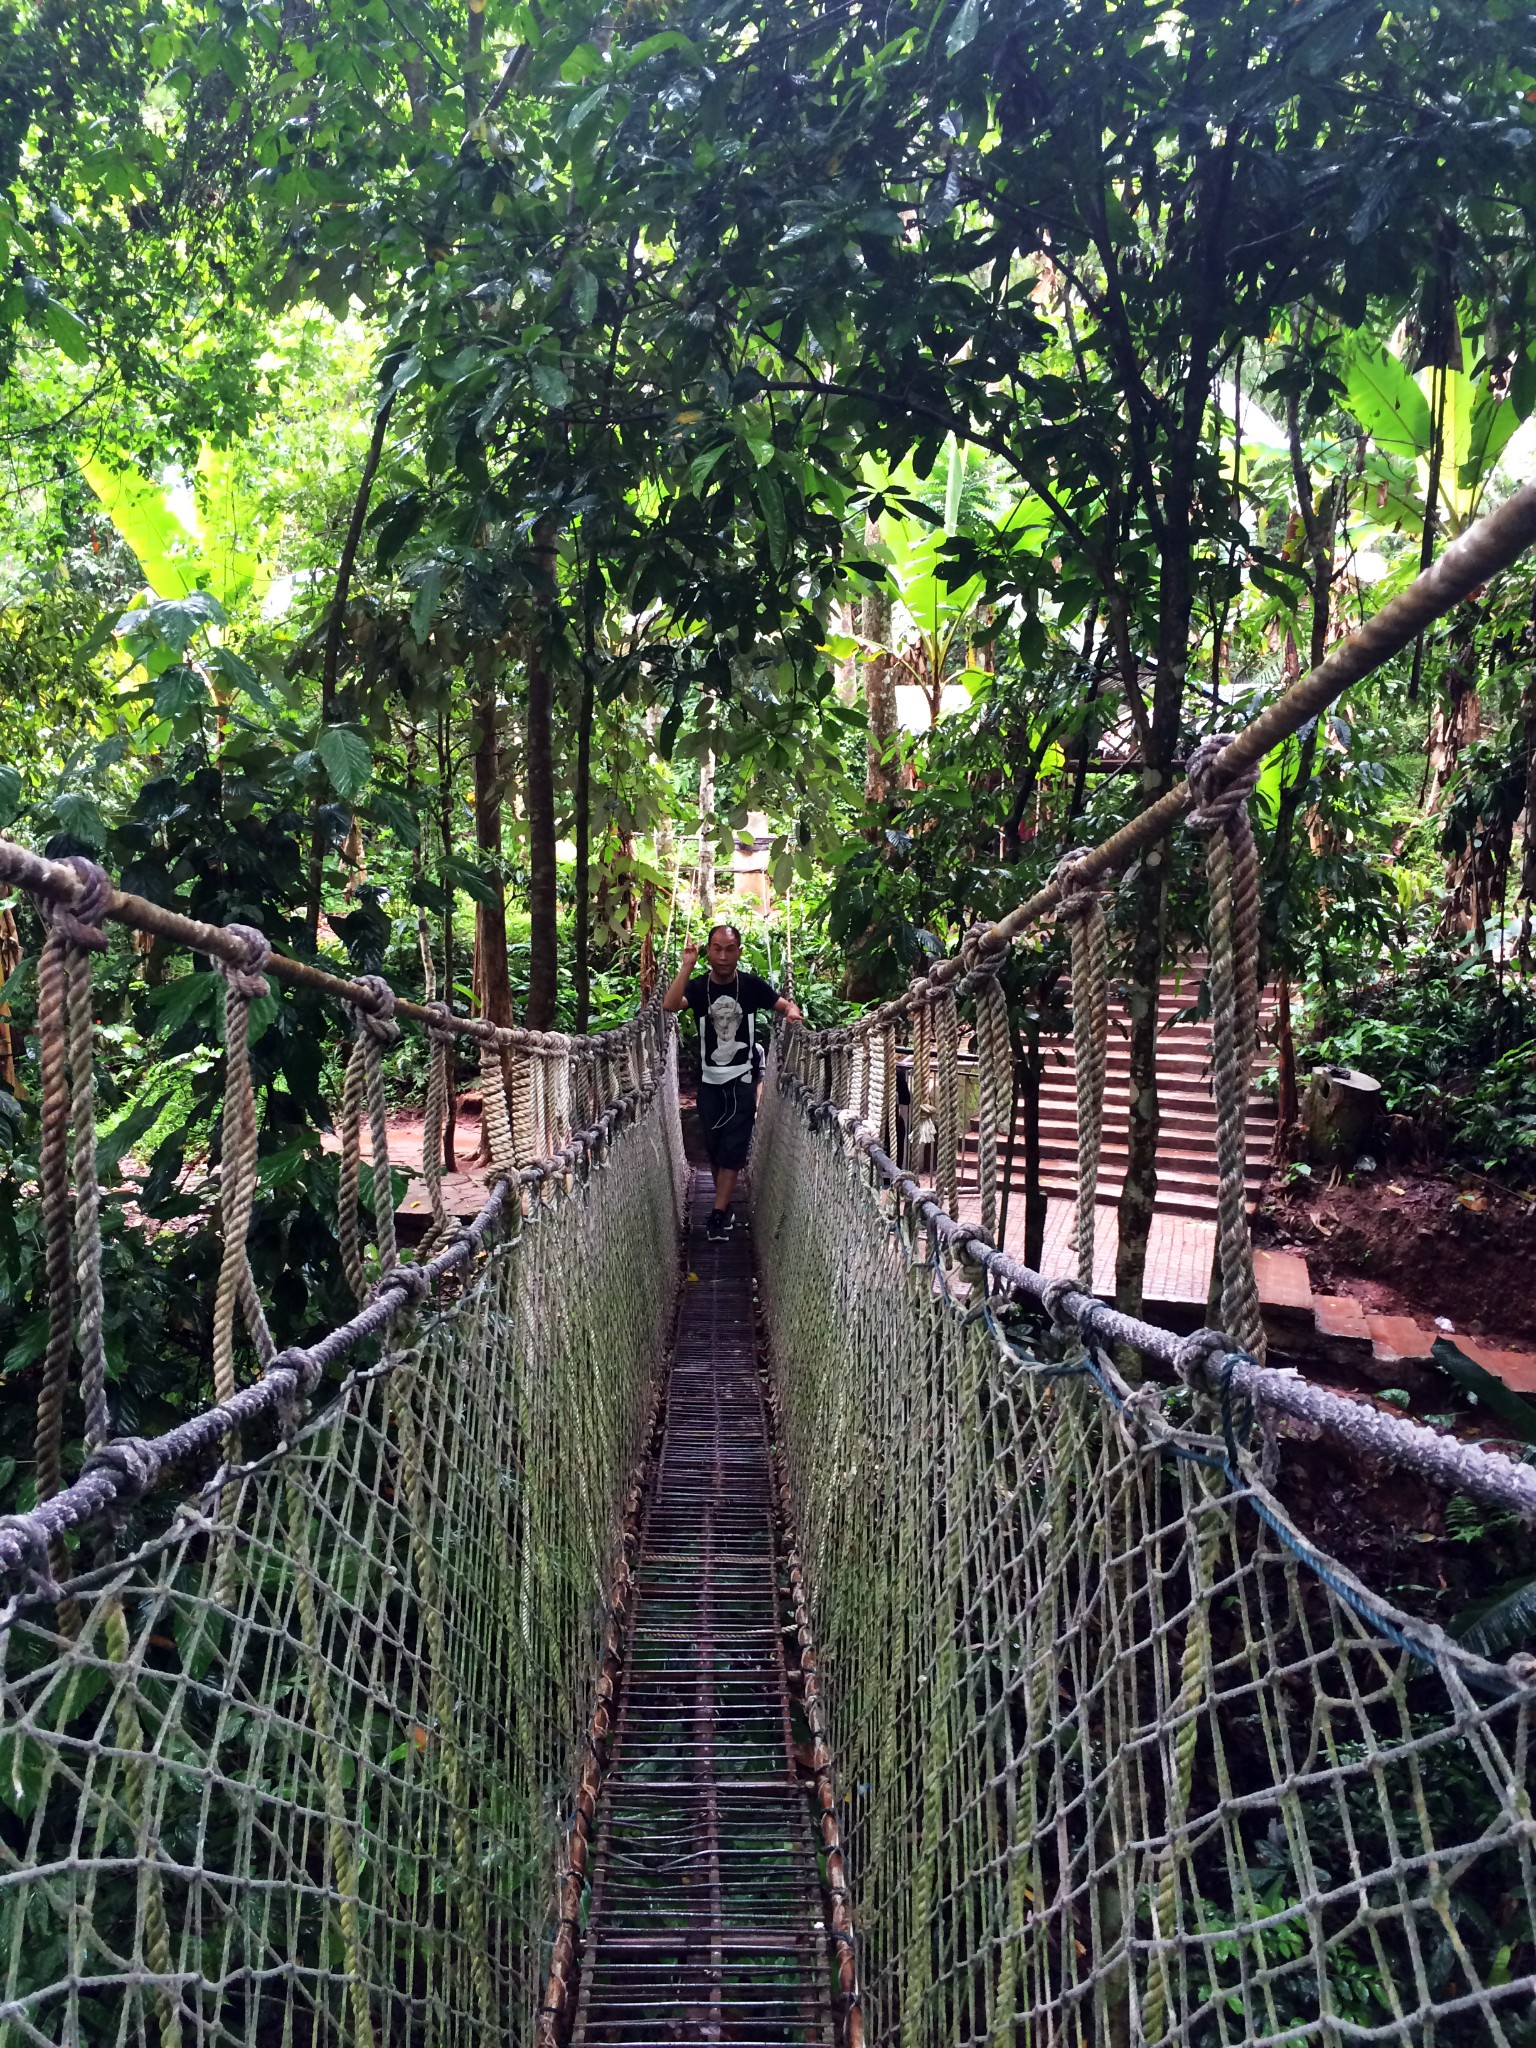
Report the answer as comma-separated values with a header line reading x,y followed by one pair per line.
x,y
725,1016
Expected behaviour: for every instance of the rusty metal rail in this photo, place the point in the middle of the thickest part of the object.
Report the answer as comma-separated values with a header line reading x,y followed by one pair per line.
x,y
708,1919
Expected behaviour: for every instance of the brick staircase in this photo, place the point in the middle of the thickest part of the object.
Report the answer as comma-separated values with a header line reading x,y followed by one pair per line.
x,y
1186,1152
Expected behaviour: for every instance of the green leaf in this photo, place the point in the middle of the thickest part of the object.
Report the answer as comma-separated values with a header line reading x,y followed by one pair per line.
x,y
583,296
29,1343
126,1133
385,807
478,887
10,793
189,996
962,30
770,501
1491,1391
240,676
78,815
701,465
550,386
669,39
18,980
424,610
1498,1622
166,552
1493,421
171,622
179,689
346,759
1387,403
68,330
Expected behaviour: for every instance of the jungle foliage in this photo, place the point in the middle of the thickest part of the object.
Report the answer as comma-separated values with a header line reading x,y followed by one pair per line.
x,y
464,463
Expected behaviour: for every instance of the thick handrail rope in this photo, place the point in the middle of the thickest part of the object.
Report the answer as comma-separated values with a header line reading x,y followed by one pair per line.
x,y
1480,553
124,1472
1207,1354
57,882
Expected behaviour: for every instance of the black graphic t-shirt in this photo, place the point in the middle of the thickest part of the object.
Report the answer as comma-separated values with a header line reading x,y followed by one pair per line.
x,y
725,1010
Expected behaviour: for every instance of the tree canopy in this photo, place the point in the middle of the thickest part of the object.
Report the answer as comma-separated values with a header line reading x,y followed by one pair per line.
x,y
467,463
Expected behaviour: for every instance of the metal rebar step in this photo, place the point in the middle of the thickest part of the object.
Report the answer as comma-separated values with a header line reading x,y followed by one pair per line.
x,y
707,1918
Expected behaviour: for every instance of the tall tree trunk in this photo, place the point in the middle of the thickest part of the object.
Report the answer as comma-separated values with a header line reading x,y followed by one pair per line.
x,y
706,882
331,663
583,834
1528,818
1319,521
493,980
879,686
1030,1068
1138,1195
539,773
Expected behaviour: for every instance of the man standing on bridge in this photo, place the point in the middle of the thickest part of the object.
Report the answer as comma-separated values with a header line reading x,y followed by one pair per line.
x,y
723,1001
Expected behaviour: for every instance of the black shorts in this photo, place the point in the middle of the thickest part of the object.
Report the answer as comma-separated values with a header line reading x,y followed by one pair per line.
x,y
727,1115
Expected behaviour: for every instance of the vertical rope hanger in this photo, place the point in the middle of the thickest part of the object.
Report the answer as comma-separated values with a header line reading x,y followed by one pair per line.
x,y
440,1080
364,1092
1082,911
71,1231
994,1070
1232,871
946,1038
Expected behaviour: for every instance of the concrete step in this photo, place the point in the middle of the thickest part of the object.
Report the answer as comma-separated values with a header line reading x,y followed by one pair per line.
x,y
1340,1331
1285,1295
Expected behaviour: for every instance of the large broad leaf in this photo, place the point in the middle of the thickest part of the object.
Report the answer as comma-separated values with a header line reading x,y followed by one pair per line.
x,y
10,793
770,502
478,887
78,815
1491,1391
68,330
1500,1621
165,551
1386,401
179,689
171,622
1492,422
239,675
190,995
232,526
346,759
962,30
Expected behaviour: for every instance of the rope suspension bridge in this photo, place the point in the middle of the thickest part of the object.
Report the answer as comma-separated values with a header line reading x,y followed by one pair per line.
x,y
577,1645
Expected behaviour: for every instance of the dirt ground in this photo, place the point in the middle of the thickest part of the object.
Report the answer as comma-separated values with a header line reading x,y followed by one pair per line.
x,y
1424,1245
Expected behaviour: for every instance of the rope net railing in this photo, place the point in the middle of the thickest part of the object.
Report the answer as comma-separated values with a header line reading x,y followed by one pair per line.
x,y
289,1758
1124,1755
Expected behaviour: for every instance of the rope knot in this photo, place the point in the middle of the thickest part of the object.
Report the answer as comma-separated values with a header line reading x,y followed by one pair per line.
x,y
980,961
377,1019
1195,1353
80,921
246,976
1079,893
414,1281
1053,1299
1216,807
919,991
440,1023
24,1541
305,1367
134,1462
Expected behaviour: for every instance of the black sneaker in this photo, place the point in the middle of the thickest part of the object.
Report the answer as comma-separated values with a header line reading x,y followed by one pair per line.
x,y
719,1225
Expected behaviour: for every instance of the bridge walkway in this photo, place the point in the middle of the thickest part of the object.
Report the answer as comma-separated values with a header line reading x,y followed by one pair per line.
x,y
707,1918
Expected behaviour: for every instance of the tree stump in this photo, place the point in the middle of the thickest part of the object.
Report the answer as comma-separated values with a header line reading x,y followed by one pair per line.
x,y
1339,1113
